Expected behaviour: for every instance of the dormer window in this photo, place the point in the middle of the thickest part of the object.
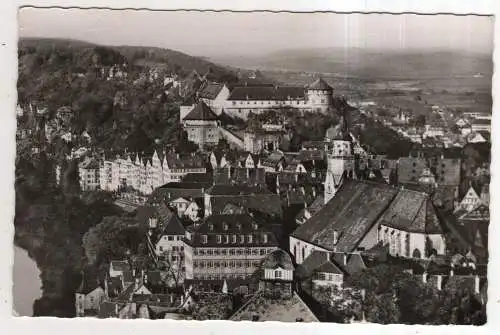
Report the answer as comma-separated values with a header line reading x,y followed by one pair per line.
x,y
242,239
211,227
255,226
226,226
238,226
249,238
233,239
226,239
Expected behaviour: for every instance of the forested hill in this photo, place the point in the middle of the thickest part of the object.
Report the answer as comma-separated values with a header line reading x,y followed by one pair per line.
x,y
130,109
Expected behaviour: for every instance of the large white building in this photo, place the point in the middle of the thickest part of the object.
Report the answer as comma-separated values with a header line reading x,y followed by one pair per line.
x,y
240,101
145,175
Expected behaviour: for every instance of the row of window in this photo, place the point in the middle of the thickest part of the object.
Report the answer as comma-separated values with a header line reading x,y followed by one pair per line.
x,y
232,252
220,276
173,237
226,239
262,102
225,264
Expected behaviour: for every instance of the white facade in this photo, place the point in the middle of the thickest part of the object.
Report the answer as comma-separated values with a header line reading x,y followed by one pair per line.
x,y
141,177
89,301
300,250
278,274
218,103
410,244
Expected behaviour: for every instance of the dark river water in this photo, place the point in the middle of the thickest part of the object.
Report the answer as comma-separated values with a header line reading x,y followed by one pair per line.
x,y
27,283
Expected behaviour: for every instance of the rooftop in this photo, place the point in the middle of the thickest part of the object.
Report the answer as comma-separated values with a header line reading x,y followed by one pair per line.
x,y
350,214
201,112
283,310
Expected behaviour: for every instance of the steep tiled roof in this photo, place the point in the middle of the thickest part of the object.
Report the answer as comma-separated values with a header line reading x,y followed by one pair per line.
x,y
183,162
319,84
267,203
201,112
412,211
210,90
351,213
283,310
229,190
234,224
173,227
267,92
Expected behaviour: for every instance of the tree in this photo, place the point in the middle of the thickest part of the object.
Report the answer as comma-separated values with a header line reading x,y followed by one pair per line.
x,y
112,238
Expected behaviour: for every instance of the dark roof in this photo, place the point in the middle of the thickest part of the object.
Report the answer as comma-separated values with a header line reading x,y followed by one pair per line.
x,y
412,211
184,162
319,84
173,226
481,121
267,203
233,224
90,282
204,179
266,92
351,213
278,258
311,155
201,112
210,90
228,190
316,261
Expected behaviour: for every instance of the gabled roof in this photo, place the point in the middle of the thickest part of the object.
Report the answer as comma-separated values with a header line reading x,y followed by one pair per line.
x,y
350,214
412,211
283,310
201,112
210,90
319,84
173,227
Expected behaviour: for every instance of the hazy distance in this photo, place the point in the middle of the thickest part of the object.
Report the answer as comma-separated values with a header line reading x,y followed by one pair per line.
x,y
222,35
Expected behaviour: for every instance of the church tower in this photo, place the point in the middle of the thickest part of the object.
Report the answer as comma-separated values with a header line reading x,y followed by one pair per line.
x,y
340,156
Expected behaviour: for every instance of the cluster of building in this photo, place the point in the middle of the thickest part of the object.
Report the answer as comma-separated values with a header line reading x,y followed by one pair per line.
x,y
275,227
457,131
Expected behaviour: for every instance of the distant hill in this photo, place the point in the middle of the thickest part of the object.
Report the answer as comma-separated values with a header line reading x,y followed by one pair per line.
x,y
175,61
364,63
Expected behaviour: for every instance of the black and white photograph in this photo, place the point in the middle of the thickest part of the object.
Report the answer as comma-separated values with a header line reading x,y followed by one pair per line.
x,y
253,166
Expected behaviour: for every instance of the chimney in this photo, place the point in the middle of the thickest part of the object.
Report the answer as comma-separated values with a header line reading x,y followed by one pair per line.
x,y
477,288
439,282
424,277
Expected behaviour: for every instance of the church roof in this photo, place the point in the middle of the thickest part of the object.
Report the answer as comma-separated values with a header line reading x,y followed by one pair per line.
x,y
412,211
201,112
351,214
319,84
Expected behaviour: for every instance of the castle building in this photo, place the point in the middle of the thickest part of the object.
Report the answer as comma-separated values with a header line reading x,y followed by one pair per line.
x,y
240,101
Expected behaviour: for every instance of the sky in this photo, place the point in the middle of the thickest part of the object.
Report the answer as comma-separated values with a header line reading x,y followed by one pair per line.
x,y
223,34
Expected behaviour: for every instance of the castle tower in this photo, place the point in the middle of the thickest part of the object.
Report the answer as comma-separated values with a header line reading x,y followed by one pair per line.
x,y
319,96
340,157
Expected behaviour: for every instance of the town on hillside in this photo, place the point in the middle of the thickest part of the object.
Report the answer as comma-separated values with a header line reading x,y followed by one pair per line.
x,y
151,184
